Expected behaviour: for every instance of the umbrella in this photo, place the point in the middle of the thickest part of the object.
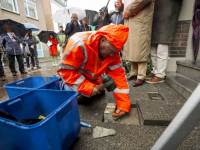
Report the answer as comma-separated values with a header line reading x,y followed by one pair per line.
x,y
31,26
196,23
17,27
63,15
44,35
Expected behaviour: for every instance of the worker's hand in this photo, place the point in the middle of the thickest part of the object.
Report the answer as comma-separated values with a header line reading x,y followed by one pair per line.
x,y
95,91
125,15
117,114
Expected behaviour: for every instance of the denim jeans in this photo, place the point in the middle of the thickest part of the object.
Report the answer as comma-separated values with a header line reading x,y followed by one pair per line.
x,y
32,61
1,68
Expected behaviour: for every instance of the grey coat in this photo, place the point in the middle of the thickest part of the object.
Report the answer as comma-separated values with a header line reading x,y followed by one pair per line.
x,y
11,48
117,18
165,19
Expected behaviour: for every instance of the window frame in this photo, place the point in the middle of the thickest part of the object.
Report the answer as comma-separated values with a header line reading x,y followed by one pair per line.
x,y
14,3
27,3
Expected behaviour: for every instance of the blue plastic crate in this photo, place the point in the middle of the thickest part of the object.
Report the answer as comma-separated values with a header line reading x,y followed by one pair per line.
x,y
35,82
57,131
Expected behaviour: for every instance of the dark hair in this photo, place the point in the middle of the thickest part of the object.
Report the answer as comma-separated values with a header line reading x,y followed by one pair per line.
x,y
51,34
120,9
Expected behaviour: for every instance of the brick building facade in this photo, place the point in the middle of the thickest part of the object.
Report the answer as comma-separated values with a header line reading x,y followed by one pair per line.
x,y
26,11
179,46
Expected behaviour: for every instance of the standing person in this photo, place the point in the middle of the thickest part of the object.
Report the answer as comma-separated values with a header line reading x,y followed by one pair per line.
x,y
53,49
2,74
28,40
163,33
11,44
118,18
35,48
101,18
85,27
138,17
73,26
62,40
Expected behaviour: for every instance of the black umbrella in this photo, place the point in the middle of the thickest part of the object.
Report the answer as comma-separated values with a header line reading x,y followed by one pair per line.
x,y
44,35
18,28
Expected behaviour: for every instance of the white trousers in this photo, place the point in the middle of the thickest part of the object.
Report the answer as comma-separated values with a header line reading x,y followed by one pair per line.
x,y
159,57
61,50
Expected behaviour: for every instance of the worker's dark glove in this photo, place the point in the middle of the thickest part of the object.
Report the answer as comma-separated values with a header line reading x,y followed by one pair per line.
x,y
117,114
95,91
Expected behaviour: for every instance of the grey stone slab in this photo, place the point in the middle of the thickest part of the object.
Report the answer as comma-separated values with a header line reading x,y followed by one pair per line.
x,y
170,95
190,63
157,112
183,85
99,132
130,118
188,71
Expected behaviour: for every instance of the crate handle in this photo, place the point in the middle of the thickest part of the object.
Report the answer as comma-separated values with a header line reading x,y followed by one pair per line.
x,y
21,84
15,101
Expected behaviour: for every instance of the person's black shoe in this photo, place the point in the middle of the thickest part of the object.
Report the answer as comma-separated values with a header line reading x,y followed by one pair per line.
x,y
24,72
14,73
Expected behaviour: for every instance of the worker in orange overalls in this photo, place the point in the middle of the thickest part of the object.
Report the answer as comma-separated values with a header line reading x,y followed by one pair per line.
x,y
90,54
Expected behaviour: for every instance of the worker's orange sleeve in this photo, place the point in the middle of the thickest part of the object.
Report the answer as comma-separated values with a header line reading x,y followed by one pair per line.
x,y
121,93
69,70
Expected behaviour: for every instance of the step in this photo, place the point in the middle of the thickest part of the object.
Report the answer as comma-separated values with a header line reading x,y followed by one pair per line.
x,y
180,83
190,69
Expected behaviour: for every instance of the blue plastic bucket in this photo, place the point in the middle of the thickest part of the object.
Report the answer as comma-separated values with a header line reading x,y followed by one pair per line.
x,y
57,131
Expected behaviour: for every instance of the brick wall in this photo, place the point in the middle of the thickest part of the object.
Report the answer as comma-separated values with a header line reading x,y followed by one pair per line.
x,y
178,47
48,14
22,18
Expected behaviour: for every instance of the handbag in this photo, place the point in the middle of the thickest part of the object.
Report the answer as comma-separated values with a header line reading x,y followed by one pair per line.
x,y
27,52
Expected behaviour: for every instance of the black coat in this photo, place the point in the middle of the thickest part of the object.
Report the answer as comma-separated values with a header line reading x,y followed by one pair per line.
x,y
86,28
166,13
99,22
71,29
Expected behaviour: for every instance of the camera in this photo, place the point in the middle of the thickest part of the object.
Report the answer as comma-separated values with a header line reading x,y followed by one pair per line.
x,y
101,13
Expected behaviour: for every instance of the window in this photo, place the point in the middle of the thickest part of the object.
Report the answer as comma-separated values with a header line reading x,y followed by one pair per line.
x,y
10,5
62,2
30,8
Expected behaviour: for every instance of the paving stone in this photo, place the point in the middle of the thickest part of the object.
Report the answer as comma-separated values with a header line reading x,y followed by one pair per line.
x,y
157,112
109,110
130,118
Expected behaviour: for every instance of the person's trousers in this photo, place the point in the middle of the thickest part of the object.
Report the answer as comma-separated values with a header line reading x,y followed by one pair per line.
x,y
1,68
139,69
54,58
32,61
62,50
20,60
159,57
36,57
